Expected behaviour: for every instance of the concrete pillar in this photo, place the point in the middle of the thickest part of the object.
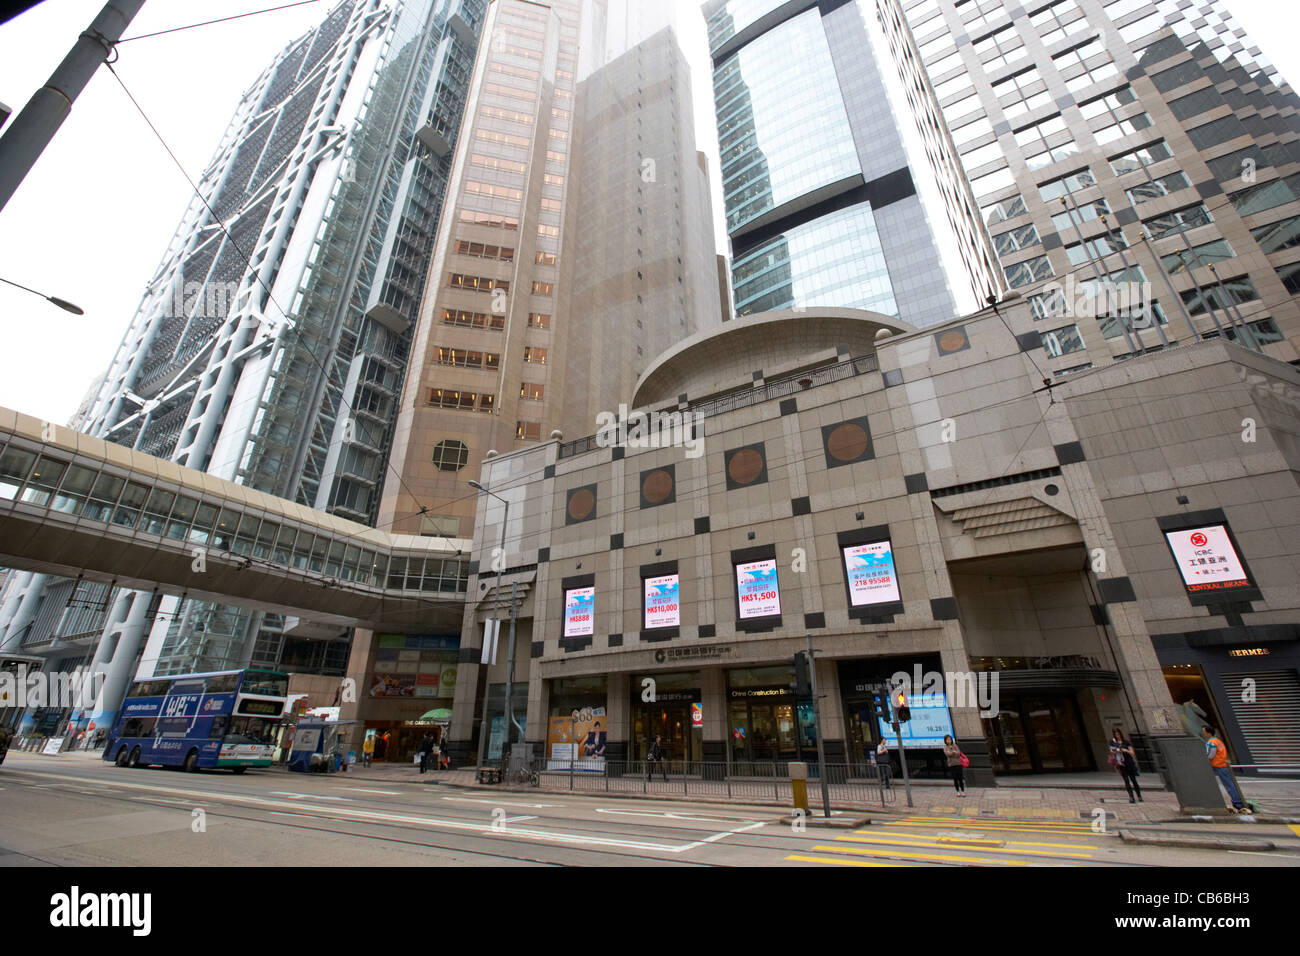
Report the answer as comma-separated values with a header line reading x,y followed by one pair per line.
x,y
88,696
25,614
618,711
121,666
13,597
713,698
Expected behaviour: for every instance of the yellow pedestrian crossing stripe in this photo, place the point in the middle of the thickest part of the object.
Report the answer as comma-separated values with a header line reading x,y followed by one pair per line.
x,y
903,844
1295,828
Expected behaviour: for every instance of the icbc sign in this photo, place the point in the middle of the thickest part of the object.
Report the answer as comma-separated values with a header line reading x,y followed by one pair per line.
x,y
1207,560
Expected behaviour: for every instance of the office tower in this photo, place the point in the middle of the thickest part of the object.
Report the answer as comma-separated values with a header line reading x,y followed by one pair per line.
x,y
820,202
1130,166
577,245
270,346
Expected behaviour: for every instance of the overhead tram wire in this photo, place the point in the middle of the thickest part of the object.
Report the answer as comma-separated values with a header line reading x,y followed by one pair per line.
x,y
247,261
205,23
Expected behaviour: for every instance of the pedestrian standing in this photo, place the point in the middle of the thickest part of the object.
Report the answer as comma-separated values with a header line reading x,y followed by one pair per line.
x,y
368,750
882,761
426,748
956,764
656,755
1123,759
1218,754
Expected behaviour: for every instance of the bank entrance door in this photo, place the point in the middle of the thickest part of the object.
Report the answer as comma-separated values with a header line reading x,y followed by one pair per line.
x,y
768,731
1039,733
672,721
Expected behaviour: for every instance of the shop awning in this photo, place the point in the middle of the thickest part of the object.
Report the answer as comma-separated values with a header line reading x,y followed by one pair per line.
x,y
431,716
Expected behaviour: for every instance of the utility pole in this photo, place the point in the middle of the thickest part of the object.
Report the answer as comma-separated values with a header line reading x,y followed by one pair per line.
x,y
32,129
817,721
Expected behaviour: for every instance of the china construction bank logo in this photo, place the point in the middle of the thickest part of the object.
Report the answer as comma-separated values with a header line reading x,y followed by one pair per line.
x,y
76,909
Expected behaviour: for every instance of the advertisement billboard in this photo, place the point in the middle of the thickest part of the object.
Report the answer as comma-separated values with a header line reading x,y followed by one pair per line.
x,y
579,739
662,604
930,722
1207,560
757,589
579,612
871,574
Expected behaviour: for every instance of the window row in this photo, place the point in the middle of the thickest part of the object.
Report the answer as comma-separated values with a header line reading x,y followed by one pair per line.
x,y
459,399
459,280
474,320
480,250
464,358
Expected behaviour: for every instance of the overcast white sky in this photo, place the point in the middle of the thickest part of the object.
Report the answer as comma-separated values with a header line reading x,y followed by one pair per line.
x,y
93,218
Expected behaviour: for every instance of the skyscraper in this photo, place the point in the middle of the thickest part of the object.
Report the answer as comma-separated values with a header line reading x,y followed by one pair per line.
x,y
821,205
1129,165
270,346
578,244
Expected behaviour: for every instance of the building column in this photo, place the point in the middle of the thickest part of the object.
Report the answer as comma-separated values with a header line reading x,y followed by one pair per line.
x,y
618,714
25,613
831,708
17,586
713,696
120,667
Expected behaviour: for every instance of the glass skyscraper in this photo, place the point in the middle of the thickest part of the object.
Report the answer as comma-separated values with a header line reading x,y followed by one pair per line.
x,y
271,344
821,205
1132,167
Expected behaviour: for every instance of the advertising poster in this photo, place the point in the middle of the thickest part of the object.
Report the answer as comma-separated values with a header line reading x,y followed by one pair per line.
x,y
580,736
1207,560
870,570
757,588
579,612
697,715
930,722
447,681
662,607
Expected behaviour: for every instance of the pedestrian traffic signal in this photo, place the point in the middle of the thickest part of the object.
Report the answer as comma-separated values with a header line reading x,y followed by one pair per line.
x,y
902,713
880,707
802,684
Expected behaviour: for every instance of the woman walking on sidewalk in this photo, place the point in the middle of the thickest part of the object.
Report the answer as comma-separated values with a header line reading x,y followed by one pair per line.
x,y
956,766
1123,759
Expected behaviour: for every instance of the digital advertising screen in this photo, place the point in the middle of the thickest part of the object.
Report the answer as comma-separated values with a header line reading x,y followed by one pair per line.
x,y
930,722
757,589
662,604
579,612
1207,560
871,574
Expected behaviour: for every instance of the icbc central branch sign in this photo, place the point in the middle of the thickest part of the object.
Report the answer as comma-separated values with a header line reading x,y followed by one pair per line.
x,y
1207,559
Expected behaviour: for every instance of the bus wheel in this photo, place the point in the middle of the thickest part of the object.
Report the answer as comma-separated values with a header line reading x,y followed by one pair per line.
x,y
238,769
134,759
191,761
121,757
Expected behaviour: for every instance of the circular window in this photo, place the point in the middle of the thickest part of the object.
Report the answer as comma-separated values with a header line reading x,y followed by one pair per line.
x,y
450,455
1052,490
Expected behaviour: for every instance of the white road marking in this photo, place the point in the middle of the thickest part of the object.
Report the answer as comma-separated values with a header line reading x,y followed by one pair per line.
x,y
485,828
671,815
516,819
503,803
391,793
308,796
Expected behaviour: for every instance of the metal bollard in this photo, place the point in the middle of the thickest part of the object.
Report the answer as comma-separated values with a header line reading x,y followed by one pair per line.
x,y
799,785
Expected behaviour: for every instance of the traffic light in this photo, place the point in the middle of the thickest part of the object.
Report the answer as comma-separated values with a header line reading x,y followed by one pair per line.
x,y
802,683
880,707
902,713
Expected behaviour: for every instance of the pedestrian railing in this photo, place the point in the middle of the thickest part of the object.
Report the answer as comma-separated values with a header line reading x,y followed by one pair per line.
x,y
848,785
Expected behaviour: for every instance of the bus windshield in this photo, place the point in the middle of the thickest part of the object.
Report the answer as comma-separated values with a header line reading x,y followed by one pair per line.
x,y
269,683
251,730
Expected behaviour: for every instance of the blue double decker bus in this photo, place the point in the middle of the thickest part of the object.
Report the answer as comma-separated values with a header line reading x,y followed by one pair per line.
x,y
196,721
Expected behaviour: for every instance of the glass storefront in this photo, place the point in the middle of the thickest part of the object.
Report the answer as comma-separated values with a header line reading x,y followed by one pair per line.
x,y
765,721
577,723
1038,733
668,715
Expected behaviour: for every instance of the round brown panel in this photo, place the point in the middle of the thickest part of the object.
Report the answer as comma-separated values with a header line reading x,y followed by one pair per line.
x,y
582,504
658,485
847,442
745,466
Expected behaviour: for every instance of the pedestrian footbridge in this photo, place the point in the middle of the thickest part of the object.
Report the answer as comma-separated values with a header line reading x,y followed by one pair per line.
x,y
77,506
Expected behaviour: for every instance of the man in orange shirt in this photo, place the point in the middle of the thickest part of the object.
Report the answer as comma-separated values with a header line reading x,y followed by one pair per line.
x,y
1218,754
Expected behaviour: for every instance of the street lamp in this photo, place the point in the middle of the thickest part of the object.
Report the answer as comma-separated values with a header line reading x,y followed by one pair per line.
x,y
510,659
63,304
